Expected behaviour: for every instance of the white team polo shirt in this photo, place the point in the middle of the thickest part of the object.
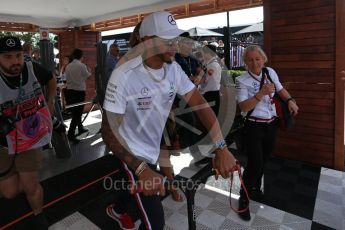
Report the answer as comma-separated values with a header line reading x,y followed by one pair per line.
x,y
144,103
247,87
76,74
213,77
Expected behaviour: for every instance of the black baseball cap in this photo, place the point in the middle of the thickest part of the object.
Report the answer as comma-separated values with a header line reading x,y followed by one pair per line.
x,y
10,43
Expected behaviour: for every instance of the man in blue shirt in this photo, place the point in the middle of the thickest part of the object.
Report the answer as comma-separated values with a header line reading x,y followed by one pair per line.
x,y
112,59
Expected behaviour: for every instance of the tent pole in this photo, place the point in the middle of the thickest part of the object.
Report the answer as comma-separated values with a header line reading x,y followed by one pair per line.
x,y
227,42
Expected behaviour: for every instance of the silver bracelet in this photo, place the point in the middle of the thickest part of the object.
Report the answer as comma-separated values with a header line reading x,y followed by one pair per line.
x,y
141,168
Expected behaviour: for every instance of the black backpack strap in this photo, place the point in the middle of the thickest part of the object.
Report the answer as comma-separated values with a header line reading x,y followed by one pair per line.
x,y
266,72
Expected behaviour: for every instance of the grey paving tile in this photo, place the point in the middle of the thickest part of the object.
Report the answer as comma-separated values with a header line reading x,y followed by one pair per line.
x,y
230,224
210,219
328,219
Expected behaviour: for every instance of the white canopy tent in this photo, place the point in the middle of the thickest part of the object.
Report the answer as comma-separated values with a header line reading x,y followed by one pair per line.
x,y
71,13
258,27
202,32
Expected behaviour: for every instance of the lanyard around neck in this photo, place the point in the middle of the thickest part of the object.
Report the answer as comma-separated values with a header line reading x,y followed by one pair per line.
x,y
21,90
255,78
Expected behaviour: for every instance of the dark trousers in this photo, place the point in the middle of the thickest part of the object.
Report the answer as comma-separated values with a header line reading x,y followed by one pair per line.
x,y
213,99
260,141
186,122
149,207
72,97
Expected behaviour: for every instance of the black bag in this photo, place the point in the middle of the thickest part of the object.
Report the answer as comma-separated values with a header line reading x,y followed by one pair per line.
x,y
238,133
286,120
238,130
7,124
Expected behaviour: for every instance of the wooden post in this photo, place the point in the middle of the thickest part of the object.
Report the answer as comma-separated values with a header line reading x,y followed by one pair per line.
x,y
339,85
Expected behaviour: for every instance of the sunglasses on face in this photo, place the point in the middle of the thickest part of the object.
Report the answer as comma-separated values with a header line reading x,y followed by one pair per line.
x,y
168,42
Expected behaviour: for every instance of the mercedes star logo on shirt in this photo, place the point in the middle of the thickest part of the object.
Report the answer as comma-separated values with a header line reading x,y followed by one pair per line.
x,y
144,91
10,42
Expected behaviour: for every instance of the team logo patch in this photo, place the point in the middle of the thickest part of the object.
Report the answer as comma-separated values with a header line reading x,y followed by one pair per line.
x,y
31,125
255,85
145,91
171,20
10,42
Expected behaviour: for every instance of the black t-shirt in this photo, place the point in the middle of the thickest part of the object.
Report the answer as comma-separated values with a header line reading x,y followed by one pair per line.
x,y
42,74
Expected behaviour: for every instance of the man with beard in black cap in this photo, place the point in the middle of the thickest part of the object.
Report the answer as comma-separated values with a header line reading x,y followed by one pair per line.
x,y
25,126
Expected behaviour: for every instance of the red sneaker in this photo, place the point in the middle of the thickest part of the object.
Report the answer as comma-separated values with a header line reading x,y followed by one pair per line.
x,y
124,220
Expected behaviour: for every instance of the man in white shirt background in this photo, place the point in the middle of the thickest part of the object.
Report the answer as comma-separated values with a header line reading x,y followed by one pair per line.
x,y
76,74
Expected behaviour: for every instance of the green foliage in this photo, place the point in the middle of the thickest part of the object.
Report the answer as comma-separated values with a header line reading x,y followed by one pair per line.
x,y
236,73
229,76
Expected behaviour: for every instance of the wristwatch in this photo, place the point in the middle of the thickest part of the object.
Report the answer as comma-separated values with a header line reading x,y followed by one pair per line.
x,y
220,144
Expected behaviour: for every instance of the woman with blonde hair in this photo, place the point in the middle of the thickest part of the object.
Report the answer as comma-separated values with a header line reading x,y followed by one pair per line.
x,y
255,91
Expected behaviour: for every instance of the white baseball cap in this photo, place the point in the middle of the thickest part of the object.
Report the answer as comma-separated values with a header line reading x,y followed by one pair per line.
x,y
161,24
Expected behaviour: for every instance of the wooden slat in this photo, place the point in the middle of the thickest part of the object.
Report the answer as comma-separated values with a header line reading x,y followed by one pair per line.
x,y
308,138
279,3
340,79
304,35
328,110
129,21
301,5
314,131
315,146
293,86
87,43
304,42
229,5
314,124
314,101
306,12
10,26
303,27
303,57
311,94
315,116
179,12
311,79
305,72
322,17
302,65
307,76
304,49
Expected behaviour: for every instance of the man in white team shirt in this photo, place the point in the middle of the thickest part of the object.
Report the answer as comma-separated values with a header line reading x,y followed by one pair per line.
x,y
138,99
